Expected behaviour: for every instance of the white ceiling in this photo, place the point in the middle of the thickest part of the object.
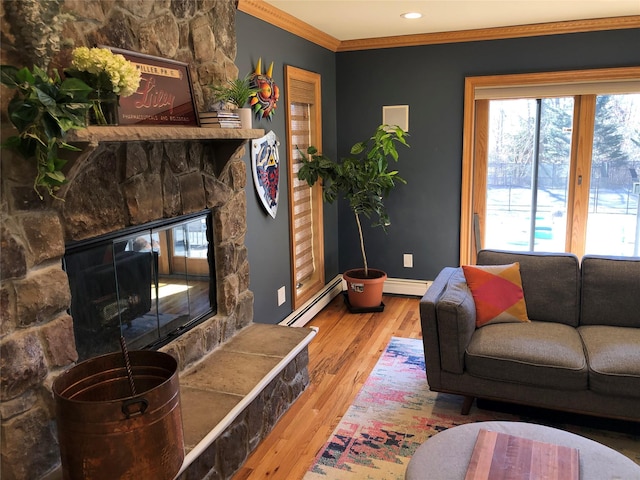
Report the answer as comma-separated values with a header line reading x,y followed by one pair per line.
x,y
359,19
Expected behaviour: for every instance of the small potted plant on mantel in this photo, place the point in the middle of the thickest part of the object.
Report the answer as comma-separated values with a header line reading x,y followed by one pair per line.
x,y
237,93
364,180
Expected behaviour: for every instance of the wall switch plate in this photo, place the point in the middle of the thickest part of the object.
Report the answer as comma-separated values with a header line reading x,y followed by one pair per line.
x,y
281,295
408,260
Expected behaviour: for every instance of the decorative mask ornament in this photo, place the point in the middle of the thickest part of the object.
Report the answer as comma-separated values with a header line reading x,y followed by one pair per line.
x,y
264,102
266,170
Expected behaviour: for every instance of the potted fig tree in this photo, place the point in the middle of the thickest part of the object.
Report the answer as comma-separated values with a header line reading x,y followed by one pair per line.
x,y
364,180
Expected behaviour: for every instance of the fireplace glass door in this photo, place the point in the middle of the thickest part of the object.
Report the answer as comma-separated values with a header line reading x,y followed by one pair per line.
x,y
147,285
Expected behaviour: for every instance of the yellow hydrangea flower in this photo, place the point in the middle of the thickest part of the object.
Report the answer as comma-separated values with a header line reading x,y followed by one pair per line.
x,y
124,76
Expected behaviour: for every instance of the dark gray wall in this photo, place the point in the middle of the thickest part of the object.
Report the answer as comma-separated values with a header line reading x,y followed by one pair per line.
x,y
267,238
425,213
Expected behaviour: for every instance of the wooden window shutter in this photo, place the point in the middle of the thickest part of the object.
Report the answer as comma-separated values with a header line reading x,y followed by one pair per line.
x,y
304,129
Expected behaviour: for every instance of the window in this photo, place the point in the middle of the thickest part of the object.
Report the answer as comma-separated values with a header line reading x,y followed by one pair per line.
x,y
304,120
527,177
549,162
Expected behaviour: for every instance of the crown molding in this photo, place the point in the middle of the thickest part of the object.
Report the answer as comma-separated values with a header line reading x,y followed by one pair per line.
x,y
289,23
497,33
278,18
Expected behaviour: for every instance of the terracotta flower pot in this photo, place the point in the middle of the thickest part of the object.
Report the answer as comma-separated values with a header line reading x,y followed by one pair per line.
x,y
364,292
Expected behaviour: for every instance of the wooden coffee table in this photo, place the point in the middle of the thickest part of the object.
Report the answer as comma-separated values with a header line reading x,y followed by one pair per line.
x,y
446,456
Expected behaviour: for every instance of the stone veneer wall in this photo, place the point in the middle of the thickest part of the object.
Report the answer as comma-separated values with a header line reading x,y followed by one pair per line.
x,y
116,186
198,32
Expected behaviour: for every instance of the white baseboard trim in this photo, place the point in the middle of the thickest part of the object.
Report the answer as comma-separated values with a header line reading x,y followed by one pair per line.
x,y
312,307
404,286
397,286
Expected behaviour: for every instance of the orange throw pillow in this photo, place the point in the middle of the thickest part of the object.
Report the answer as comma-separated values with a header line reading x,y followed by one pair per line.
x,y
497,293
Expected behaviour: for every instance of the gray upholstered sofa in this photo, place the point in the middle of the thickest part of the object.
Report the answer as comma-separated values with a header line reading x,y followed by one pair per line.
x,y
579,353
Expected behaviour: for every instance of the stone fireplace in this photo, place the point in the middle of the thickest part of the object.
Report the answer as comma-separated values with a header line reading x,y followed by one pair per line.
x,y
124,178
147,180
154,183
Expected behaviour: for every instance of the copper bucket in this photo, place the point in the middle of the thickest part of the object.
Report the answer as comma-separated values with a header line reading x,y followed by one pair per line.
x,y
105,433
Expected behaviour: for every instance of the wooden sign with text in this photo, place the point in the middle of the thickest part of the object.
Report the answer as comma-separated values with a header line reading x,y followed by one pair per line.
x,y
165,95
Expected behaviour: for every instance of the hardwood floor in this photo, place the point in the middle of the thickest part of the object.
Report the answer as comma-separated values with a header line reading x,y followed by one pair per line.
x,y
341,356
176,301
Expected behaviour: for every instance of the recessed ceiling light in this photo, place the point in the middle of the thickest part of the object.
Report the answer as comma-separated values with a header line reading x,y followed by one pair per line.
x,y
411,15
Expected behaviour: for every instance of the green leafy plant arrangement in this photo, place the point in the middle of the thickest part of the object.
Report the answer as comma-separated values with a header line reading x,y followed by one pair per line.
x,y
43,109
236,92
363,179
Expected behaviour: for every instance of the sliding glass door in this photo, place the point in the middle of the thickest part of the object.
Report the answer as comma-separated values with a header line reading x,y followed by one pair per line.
x,y
551,163
528,174
613,225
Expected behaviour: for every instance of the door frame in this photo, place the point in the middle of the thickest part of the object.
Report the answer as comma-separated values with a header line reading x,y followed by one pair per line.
x,y
293,74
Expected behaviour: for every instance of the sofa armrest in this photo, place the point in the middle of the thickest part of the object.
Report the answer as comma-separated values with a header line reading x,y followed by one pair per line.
x,y
448,317
429,326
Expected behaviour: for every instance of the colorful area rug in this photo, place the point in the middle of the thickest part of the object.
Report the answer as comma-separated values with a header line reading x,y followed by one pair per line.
x,y
395,412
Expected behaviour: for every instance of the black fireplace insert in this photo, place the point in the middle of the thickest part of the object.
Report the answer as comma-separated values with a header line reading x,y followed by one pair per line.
x,y
148,284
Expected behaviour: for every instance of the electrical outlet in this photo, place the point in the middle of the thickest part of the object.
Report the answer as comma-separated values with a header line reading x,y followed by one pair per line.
x,y
408,260
281,295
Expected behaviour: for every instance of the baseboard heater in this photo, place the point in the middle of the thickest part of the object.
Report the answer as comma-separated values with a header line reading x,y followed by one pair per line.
x,y
404,286
335,287
312,307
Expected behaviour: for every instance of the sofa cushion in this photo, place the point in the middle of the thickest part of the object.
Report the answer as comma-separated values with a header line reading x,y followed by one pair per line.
x,y
456,322
536,353
497,293
550,281
610,291
613,355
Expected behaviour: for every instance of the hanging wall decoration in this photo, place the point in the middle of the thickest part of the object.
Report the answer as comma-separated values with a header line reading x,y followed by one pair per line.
x,y
264,101
266,170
